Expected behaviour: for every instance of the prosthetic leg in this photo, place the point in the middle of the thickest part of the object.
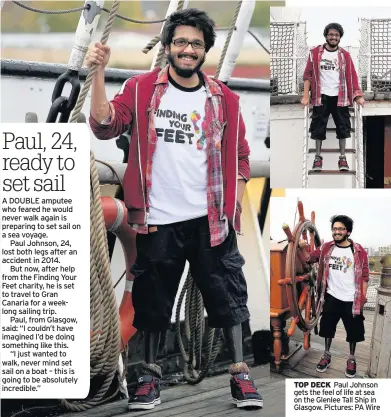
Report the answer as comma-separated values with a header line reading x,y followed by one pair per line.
x,y
342,163
318,147
351,366
147,394
318,161
327,344
243,390
233,337
151,346
342,146
325,361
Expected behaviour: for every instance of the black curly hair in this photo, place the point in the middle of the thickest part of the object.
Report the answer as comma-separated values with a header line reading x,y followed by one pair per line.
x,y
345,220
190,17
335,26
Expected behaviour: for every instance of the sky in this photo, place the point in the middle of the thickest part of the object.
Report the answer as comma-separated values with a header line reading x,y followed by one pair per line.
x,y
369,209
317,18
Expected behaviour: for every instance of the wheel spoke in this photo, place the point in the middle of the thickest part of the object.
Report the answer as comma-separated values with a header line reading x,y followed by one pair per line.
x,y
301,286
301,278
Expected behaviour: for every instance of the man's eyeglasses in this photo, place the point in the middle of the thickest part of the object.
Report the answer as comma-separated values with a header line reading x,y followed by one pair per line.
x,y
338,229
332,35
182,43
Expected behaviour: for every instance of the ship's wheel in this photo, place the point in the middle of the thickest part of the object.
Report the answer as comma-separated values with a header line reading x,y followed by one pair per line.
x,y
305,295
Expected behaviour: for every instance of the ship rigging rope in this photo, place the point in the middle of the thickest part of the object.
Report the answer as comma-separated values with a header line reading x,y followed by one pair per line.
x,y
105,338
227,41
150,45
161,54
81,8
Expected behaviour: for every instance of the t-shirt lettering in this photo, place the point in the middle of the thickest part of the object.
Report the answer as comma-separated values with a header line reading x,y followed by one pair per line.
x,y
179,166
329,73
341,284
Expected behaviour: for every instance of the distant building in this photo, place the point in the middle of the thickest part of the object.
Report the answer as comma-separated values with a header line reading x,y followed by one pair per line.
x,y
384,250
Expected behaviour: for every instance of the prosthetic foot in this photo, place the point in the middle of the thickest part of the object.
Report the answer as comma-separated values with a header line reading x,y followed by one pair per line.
x,y
243,390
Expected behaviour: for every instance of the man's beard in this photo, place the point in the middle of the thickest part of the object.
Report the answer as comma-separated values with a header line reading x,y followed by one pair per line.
x,y
332,46
187,72
340,239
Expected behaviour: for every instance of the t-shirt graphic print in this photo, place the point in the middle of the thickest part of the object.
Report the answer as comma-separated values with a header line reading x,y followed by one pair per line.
x,y
179,166
329,73
341,274
195,118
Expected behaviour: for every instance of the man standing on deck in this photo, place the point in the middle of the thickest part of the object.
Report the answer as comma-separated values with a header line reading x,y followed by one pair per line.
x,y
343,269
187,169
332,79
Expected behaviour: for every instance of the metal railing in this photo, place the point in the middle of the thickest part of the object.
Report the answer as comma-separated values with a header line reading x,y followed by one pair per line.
x,y
359,146
374,283
375,55
305,147
288,57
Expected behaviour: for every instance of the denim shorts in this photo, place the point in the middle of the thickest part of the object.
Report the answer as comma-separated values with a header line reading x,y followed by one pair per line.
x,y
320,117
217,271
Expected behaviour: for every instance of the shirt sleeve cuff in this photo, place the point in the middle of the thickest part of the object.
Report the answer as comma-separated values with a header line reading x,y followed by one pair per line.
x,y
109,120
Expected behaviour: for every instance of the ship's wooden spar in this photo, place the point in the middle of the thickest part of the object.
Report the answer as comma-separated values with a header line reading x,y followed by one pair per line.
x,y
305,295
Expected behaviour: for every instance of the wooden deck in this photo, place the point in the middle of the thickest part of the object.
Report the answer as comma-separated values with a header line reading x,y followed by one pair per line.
x,y
303,364
211,397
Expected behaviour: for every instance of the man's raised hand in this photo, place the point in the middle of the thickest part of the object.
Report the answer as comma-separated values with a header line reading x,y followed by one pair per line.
x,y
98,54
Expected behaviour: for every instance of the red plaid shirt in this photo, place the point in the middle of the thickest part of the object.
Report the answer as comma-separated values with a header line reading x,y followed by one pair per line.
x,y
226,159
361,271
218,222
349,88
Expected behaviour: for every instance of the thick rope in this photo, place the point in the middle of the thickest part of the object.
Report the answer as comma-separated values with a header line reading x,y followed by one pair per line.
x,y
90,76
105,339
194,331
227,41
161,55
156,39
151,44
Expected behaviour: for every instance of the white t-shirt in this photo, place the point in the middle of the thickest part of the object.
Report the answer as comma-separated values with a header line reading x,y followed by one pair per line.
x,y
341,274
179,166
329,73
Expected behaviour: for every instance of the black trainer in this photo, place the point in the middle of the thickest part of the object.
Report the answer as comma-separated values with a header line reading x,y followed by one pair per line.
x,y
342,163
244,393
351,368
147,394
318,163
323,364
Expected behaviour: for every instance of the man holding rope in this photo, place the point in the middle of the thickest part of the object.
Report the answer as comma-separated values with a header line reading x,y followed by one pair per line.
x,y
187,169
